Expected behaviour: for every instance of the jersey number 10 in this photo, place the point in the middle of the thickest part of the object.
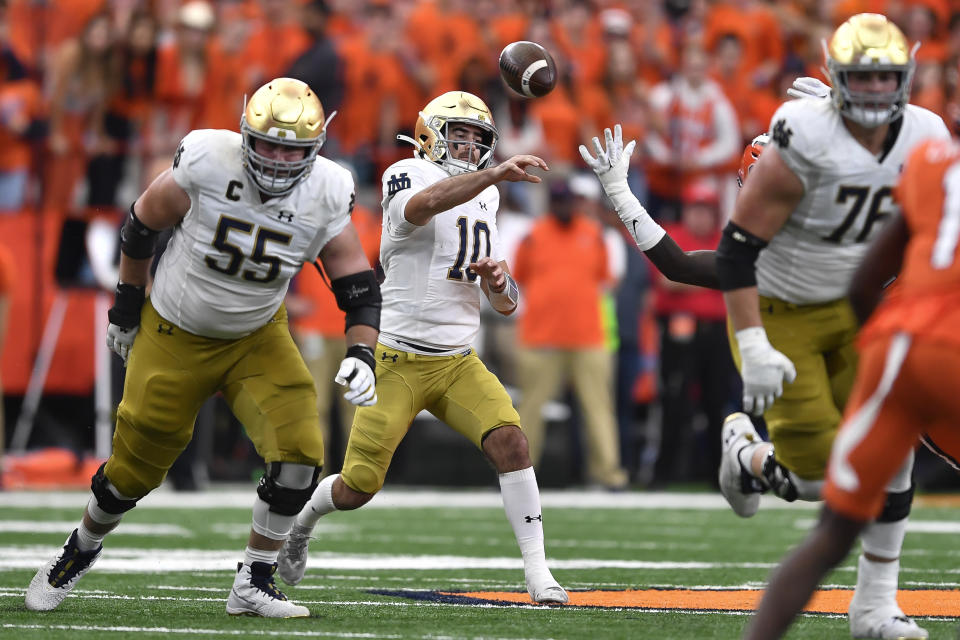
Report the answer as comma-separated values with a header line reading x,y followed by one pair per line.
x,y
457,272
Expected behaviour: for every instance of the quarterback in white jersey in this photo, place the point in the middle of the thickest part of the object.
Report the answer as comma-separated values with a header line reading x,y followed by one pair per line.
x,y
818,194
431,297
247,210
440,251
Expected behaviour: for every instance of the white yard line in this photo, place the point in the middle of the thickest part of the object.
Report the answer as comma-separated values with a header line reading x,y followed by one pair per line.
x,y
409,499
133,560
63,527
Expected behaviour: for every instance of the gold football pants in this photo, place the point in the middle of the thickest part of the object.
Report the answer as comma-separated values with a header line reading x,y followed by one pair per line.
x,y
171,372
459,390
819,339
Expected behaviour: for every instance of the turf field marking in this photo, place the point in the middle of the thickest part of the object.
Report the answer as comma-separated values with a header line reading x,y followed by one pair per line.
x,y
126,560
913,526
914,602
411,499
243,632
64,527
195,632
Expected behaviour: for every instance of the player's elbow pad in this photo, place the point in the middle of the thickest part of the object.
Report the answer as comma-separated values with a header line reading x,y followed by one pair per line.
x,y
737,256
358,295
137,240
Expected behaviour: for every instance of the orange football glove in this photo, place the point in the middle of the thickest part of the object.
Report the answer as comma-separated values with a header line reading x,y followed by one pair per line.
x,y
750,156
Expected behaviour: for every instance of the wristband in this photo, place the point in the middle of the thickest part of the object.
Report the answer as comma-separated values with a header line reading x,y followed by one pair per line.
x,y
128,301
509,298
364,354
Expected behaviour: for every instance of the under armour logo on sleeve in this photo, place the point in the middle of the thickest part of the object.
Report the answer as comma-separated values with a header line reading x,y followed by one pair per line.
x,y
397,184
530,519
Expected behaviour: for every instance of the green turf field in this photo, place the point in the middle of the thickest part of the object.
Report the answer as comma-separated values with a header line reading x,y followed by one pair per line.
x,y
166,571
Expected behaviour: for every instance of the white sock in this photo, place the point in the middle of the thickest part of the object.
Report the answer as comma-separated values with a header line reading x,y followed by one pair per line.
x,y
251,555
88,540
320,504
521,502
876,586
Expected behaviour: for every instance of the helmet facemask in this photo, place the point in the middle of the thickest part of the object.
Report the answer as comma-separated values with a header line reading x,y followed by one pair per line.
x,y
446,149
271,175
283,112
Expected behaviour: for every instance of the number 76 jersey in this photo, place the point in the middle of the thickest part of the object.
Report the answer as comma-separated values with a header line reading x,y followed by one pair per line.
x,y
848,196
429,295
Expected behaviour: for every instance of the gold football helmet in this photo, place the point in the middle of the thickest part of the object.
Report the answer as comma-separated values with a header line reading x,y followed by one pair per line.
x,y
286,112
869,42
433,131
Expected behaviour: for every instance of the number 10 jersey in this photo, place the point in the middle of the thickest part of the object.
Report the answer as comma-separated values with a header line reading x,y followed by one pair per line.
x,y
848,194
429,296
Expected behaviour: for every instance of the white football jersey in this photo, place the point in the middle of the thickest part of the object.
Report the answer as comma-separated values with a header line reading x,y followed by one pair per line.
x,y
848,196
429,296
229,262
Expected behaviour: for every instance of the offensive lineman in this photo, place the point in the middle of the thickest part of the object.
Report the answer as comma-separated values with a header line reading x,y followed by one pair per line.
x,y
813,209
440,250
800,227
247,210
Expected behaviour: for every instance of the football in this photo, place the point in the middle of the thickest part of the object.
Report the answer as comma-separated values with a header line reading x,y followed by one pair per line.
x,y
528,69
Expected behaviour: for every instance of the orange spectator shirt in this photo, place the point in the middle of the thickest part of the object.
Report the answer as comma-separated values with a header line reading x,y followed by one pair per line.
x,y
560,121
757,28
327,319
926,299
7,273
562,271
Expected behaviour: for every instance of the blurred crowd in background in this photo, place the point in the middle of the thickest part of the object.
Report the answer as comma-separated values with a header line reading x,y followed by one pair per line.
x,y
96,94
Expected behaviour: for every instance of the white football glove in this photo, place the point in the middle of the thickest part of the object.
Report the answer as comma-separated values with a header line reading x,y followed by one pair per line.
x,y
763,370
808,88
611,166
358,377
120,340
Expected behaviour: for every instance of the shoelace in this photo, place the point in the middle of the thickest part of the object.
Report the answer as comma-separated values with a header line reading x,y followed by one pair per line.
x,y
266,584
69,565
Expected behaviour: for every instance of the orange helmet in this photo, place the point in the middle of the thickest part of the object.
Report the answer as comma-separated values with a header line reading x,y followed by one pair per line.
x,y
750,156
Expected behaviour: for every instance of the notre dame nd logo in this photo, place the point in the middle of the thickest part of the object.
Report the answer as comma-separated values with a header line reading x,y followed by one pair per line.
x,y
781,133
397,184
176,156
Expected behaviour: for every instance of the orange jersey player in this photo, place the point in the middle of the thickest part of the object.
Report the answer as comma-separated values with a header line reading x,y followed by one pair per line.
x,y
905,390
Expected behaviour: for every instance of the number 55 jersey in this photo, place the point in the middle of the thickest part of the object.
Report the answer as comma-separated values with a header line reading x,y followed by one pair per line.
x,y
430,298
849,193
230,260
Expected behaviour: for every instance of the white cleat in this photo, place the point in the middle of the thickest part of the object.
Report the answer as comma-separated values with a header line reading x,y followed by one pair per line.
x,y
736,484
292,562
885,624
255,594
543,589
56,579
